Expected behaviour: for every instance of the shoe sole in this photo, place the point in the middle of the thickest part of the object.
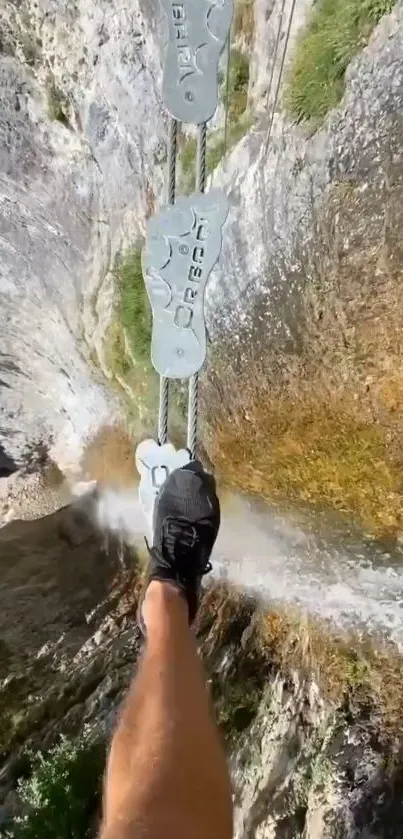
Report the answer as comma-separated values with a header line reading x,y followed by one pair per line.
x,y
183,244
197,36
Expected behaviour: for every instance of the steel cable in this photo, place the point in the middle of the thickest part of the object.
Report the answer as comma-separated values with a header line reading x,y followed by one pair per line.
x,y
171,193
201,178
275,54
280,76
193,392
227,93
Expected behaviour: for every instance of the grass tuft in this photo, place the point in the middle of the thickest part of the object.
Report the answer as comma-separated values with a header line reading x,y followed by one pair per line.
x,y
58,107
128,340
237,85
128,344
336,31
133,308
115,350
187,159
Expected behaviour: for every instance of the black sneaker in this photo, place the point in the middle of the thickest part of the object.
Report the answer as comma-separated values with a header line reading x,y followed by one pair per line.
x,y
186,524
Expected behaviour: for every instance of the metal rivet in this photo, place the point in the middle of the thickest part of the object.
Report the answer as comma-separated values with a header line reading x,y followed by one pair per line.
x,y
180,352
189,96
183,249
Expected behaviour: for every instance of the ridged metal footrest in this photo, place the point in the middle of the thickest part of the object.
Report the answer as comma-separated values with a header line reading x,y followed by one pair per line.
x,y
154,464
198,30
183,244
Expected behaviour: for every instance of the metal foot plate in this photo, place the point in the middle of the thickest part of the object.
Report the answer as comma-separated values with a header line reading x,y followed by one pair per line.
x,y
183,244
198,30
154,464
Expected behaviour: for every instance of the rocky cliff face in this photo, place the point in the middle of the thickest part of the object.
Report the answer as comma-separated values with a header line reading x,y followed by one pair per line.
x,y
309,299
283,185
83,148
311,757
317,209
82,142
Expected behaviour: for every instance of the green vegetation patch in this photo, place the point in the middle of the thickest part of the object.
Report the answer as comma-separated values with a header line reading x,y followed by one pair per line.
x,y
58,106
133,309
236,706
61,798
336,31
187,159
128,340
235,93
128,348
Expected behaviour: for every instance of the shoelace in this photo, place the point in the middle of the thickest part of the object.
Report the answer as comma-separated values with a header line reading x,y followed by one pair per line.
x,y
180,538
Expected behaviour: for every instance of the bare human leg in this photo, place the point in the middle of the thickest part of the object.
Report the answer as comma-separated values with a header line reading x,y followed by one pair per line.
x,y
167,776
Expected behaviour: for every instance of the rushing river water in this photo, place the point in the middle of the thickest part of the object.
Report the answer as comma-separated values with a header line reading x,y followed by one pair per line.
x,y
324,566
331,571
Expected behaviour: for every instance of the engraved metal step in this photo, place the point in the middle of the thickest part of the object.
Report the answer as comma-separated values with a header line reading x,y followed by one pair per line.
x,y
154,464
183,244
198,30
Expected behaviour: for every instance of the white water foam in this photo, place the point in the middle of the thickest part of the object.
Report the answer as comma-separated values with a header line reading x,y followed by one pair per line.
x,y
274,557
348,585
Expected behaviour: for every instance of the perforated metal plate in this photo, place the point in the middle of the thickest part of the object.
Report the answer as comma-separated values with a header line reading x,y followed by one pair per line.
x,y
154,464
183,244
198,30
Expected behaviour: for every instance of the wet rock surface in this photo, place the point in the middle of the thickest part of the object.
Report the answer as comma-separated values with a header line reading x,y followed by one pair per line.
x,y
304,762
305,309
81,131
66,611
